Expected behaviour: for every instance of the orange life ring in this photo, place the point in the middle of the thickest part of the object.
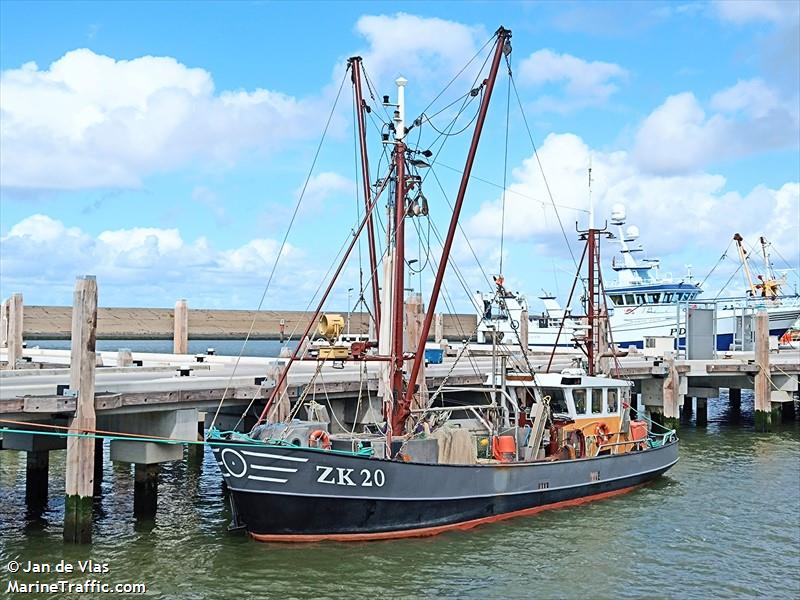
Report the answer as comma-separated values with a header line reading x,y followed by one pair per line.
x,y
319,439
602,434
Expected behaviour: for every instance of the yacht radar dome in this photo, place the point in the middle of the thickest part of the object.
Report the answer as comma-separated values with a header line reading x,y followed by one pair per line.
x,y
618,214
632,233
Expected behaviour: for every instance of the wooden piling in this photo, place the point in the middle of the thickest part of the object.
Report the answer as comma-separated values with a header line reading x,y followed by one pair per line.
x,y
4,324
763,406
124,357
438,327
181,330
36,478
523,331
671,392
14,341
414,317
80,450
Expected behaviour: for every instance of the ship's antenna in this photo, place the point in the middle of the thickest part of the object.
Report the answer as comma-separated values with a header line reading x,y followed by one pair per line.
x,y
591,199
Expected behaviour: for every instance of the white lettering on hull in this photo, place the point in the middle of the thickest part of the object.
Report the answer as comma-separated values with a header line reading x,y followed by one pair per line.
x,y
342,476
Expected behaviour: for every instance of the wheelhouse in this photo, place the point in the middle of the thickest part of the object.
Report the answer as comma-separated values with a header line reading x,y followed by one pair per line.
x,y
650,295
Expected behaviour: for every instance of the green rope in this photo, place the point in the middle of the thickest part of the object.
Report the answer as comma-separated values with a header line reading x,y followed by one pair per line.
x,y
243,440
649,420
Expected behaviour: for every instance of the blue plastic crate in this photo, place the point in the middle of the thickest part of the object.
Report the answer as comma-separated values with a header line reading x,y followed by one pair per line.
x,y
434,356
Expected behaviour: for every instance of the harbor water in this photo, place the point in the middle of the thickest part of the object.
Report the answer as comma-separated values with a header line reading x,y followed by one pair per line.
x,y
723,523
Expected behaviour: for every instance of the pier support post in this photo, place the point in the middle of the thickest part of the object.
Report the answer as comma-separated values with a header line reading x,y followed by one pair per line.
x,y
80,450
181,331
145,490
702,411
97,488
788,412
734,404
36,478
194,452
686,413
763,404
14,340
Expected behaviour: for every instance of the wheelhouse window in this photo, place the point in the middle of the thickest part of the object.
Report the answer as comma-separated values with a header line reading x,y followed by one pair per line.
x,y
597,401
616,299
558,403
579,398
667,297
611,402
629,299
654,298
640,299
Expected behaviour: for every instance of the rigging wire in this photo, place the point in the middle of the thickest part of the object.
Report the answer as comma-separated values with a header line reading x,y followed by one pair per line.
x,y
457,75
467,126
541,168
722,289
358,203
514,192
297,325
282,246
719,262
505,170
458,114
466,237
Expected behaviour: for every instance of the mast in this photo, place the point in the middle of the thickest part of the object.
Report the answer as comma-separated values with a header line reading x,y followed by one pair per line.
x,y
502,46
743,257
594,291
355,63
399,262
593,260
767,265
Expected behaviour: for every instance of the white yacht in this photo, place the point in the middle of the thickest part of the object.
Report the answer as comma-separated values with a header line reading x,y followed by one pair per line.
x,y
641,303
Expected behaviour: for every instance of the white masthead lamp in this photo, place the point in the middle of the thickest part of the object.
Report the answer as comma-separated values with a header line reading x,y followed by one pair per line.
x,y
400,113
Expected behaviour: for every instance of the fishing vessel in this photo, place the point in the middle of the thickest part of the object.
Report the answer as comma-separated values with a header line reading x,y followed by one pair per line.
x,y
526,442
643,302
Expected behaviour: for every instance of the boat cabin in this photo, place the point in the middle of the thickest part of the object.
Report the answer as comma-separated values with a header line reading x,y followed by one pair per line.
x,y
588,413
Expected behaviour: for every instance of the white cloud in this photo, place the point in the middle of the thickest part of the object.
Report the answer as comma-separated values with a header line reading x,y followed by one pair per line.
x,y
144,266
585,83
323,186
679,136
741,12
695,209
752,97
417,47
93,121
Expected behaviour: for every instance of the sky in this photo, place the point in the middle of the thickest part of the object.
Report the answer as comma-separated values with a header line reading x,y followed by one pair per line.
x,y
163,146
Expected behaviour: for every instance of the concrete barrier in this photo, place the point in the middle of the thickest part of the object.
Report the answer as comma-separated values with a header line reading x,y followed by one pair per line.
x,y
55,322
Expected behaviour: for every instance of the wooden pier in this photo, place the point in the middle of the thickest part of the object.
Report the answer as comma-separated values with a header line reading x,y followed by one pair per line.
x,y
156,397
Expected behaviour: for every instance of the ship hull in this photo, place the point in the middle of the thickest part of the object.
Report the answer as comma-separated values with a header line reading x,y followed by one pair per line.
x,y
329,496
630,326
